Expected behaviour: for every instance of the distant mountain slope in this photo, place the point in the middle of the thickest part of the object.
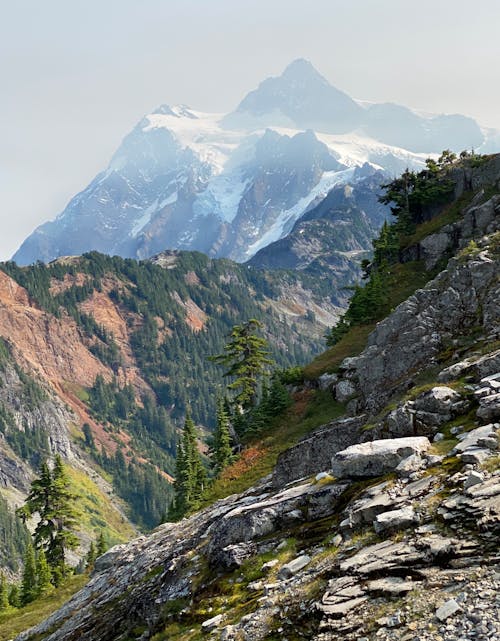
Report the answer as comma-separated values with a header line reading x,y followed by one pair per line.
x,y
329,240
100,356
228,185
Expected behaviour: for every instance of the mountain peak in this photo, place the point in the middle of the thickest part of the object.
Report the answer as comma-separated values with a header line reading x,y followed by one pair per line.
x,y
302,97
302,69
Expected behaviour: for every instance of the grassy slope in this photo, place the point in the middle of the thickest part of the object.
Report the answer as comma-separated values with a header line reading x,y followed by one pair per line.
x,y
97,512
14,621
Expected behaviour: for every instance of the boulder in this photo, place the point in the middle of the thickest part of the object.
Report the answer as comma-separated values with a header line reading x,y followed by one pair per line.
x,y
327,381
211,624
344,391
489,408
447,610
390,586
314,453
291,568
395,520
409,465
481,437
233,556
376,458
401,421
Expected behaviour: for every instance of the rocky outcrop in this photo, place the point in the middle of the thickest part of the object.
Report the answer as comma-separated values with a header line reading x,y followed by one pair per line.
x,y
315,452
376,458
463,296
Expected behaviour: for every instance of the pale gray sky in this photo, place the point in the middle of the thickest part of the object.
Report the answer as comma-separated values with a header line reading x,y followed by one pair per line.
x,y
76,75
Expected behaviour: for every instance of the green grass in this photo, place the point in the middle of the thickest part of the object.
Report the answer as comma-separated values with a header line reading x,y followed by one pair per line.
x,y
15,621
350,345
96,512
309,411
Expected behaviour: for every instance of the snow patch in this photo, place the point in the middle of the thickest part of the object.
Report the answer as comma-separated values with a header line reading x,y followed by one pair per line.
x,y
149,212
289,217
222,196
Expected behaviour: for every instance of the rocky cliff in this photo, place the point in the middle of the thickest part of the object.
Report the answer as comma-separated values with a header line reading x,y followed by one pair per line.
x,y
384,524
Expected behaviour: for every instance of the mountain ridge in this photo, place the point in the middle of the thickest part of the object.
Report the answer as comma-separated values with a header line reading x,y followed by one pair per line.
x,y
183,179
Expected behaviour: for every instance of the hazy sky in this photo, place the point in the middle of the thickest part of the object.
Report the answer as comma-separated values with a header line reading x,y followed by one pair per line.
x,y
76,75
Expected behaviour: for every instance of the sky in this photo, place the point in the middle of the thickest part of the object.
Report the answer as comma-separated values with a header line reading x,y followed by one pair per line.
x,y
76,76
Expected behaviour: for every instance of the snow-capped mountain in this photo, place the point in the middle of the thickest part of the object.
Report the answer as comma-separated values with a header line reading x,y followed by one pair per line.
x,y
230,184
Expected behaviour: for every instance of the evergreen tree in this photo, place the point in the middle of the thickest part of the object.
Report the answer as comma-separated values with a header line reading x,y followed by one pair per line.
x,y
91,556
29,588
14,596
223,452
4,593
43,574
102,546
190,472
52,499
245,357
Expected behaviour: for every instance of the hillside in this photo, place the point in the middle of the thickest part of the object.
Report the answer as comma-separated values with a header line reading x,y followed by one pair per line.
x,y
383,522
101,356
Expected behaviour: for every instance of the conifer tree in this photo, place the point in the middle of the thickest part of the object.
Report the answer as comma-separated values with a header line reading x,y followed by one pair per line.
x,y
91,556
43,574
102,546
190,472
245,357
14,596
29,583
223,452
52,499
4,593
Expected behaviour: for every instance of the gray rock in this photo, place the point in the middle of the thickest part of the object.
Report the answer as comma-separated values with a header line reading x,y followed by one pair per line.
x,y
376,457
489,408
413,335
344,391
476,438
473,478
338,610
365,509
327,381
233,556
475,455
291,568
447,610
314,453
438,400
395,520
409,465
211,624
391,586
401,421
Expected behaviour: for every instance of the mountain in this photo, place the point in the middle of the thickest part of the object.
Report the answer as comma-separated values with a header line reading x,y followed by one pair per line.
x,y
383,520
101,356
334,235
299,98
230,184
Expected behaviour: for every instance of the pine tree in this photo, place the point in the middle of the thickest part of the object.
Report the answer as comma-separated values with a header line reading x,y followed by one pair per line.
x,y
43,574
14,596
223,452
4,593
91,556
190,472
102,546
245,357
29,588
52,499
